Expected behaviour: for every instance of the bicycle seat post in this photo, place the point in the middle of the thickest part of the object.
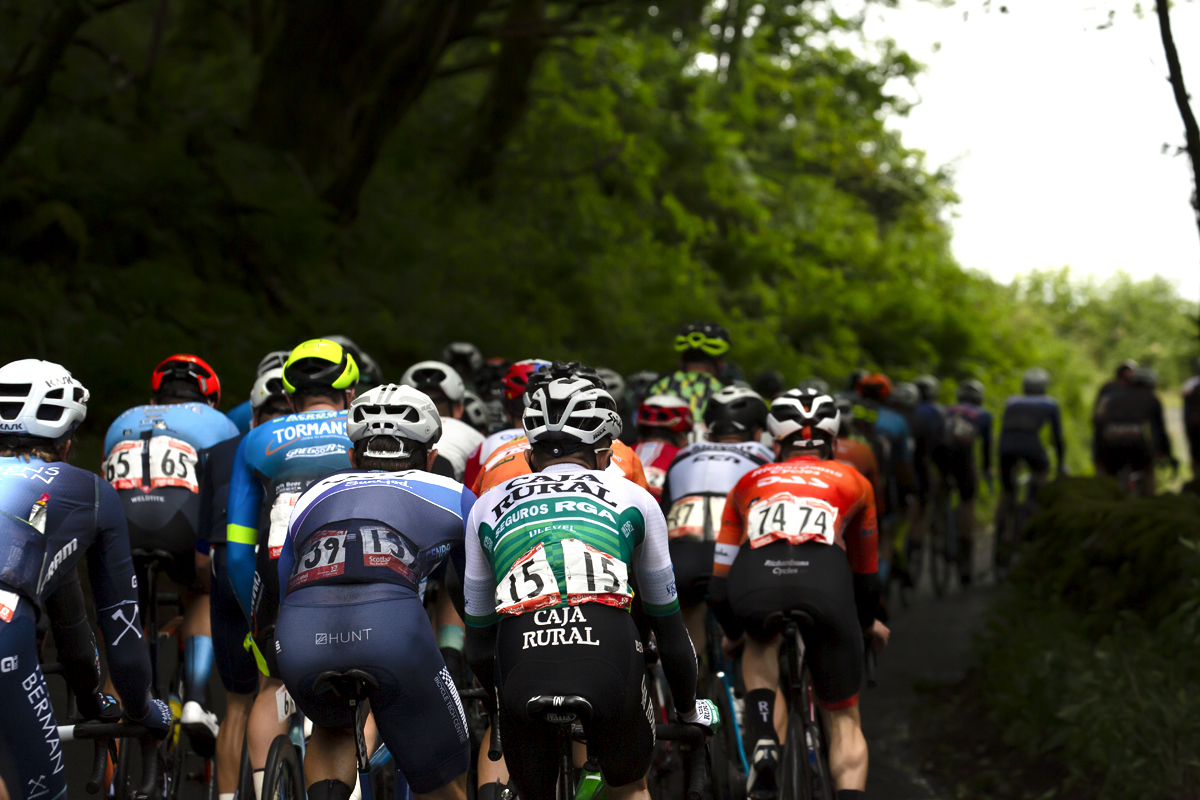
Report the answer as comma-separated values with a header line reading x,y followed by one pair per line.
x,y
562,711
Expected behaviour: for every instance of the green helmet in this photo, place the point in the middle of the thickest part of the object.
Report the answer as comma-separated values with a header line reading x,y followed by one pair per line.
x,y
319,364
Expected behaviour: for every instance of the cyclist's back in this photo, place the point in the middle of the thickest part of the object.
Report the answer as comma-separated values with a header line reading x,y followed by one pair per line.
x,y
1130,424
1020,429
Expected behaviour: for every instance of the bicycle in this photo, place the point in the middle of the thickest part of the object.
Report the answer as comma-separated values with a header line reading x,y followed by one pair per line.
x,y
105,734
805,773
943,537
1016,512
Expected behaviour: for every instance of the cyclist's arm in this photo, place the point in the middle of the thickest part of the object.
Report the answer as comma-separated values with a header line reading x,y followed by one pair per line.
x,y
245,499
479,591
987,442
1056,432
1158,426
862,549
114,586
76,645
729,539
660,600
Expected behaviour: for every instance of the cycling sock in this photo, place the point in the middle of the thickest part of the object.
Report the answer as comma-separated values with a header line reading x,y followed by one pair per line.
x,y
226,796
760,715
257,776
848,794
198,660
329,790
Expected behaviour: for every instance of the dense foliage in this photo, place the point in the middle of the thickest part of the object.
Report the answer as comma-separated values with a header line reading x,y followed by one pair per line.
x,y
1090,658
539,176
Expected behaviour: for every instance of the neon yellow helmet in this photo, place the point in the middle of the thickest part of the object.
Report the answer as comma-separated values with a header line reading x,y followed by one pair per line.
x,y
707,337
319,364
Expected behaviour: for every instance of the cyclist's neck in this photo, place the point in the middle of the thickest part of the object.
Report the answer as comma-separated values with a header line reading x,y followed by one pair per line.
x,y
700,366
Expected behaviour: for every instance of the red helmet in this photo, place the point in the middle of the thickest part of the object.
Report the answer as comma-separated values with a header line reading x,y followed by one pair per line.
x,y
875,386
665,411
517,377
190,368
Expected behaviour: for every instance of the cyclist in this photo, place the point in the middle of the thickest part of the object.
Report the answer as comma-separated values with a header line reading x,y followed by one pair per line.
x,y
53,515
242,414
445,387
273,466
693,495
464,358
929,437
359,546
1124,370
489,384
1191,419
967,422
800,534
1020,427
540,623
701,347
515,381
509,461
663,424
235,665
1131,429
852,448
154,456
879,418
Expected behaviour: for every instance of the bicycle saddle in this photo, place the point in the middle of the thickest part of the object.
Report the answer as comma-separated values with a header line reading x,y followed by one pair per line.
x,y
559,709
353,684
161,556
777,619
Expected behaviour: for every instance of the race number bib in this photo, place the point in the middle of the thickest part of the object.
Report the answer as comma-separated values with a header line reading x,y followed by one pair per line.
x,y
594,576
529,585
791,519
8,605
687,517
324,556
281,513
384,548
655,478
172,462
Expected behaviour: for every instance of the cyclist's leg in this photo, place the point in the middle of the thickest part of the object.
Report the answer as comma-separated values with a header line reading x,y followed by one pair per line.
x,y
692,560
847,748
29,743
236,667
1039,465
262,726
1008,490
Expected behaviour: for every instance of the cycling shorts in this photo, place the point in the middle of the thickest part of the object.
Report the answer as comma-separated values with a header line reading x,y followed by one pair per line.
x,y
165,519
1037,460
264,607
814,578
693,561
31,756
383,630
595,654
1114,458
235,664
960,465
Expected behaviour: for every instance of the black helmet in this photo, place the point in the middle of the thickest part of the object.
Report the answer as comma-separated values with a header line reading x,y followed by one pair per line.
x,y
369,373
1143,376
735,410
1035,381
464,357
769,383
708,338
971,392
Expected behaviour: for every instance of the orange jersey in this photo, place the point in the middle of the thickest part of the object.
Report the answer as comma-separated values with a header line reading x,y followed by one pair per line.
x,y
859,455
508,461
801,500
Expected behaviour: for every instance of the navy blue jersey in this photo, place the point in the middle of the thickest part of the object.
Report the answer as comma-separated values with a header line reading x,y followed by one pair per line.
x,y
1024,417
930,428
51,515
373,527
967,423
214,490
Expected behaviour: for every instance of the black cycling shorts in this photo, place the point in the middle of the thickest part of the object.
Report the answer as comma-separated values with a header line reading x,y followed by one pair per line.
x,y
960,465
1114,458
814,578
235,664
383,630
165,519
693,561
264,602
1037,460
590,650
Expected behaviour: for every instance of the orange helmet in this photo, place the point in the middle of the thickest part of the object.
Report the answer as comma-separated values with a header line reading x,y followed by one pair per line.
x,y
874,386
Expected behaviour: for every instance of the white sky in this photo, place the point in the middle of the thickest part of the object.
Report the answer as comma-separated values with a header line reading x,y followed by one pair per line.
x,y
1055,131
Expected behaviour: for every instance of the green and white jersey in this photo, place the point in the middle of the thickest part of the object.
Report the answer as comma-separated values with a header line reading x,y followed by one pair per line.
x,y
566,536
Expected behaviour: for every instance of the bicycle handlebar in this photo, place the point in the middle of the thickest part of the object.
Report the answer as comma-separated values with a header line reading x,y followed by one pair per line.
x,y
102,733
495,753
698,765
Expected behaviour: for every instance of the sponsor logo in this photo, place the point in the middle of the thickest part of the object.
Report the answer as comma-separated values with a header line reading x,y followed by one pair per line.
x,y
345,637
286,434
453,703
61,556
784,566
8,664
553,637
526,486
11,426
148,498
315,452
30,472
647,708
35,693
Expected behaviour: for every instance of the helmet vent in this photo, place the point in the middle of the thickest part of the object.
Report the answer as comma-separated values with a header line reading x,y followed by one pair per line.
x,y
10,410
50,413
15,389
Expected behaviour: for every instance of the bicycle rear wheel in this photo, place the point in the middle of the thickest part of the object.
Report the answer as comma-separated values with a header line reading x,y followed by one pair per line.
x,y
939,556
284,777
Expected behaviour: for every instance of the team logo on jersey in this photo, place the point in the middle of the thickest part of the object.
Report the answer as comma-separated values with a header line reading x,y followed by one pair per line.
x,y
59,557
526,486
316,451
566,632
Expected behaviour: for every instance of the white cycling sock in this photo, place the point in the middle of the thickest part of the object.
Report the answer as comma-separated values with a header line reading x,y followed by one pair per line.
x,y
259,776
357,793
226,796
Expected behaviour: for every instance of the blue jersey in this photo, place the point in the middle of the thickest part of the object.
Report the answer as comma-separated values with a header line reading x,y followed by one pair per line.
x,y
1024,417
153,457
242,416
373,527
275,463
930,425
51,516
894,428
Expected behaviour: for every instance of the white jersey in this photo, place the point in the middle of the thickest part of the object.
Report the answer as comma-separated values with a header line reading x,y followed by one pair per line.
x,y
565,536
700,477
497,440
457,442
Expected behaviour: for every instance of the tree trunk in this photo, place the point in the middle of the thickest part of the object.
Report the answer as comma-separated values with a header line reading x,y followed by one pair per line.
x,y
1190,128
36,85
508,93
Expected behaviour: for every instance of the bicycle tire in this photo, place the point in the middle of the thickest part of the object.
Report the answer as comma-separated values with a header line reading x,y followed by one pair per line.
x,y
728,778
283,778
121,780
939,564
793,779
817,743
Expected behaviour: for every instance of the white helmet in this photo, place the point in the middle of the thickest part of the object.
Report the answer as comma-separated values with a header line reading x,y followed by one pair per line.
x,y
40,400
273,359
269,384
427,375
808,412
572,411
398,412
613,381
